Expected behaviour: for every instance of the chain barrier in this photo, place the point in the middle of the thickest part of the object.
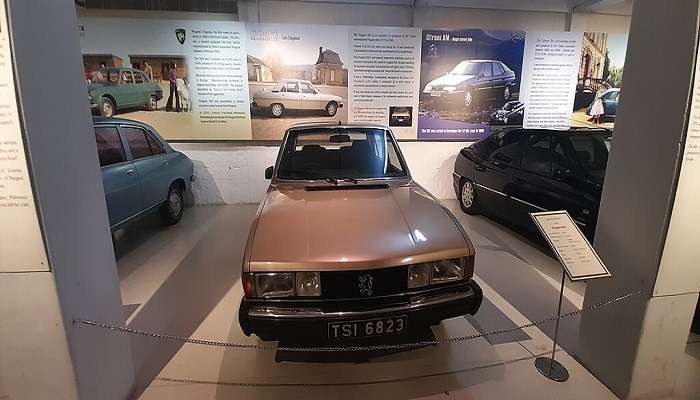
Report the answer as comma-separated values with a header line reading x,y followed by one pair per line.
x,y
272,347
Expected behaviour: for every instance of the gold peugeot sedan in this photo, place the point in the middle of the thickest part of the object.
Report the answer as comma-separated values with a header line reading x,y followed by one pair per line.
x,y
346,246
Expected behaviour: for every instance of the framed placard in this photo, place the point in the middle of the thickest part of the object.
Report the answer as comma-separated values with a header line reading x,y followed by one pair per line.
x,y
572,249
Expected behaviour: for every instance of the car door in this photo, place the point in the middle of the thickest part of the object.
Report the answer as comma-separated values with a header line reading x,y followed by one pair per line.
x,y
292,95
483,84
130,91
498,83
310,99
119,177
545,180
142,88
493,175
151,162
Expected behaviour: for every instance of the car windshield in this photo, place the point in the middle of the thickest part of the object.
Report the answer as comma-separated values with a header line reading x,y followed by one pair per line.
x,y
466,68
592,153
340,153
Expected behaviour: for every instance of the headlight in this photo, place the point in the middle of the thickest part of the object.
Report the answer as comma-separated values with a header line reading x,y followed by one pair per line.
x,y
308,283
447,270
450,88
418,275
275,284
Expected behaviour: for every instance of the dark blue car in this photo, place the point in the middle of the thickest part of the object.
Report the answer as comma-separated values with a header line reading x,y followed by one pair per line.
x,y
141,173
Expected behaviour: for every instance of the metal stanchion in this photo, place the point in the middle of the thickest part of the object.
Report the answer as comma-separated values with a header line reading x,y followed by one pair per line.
x,y
548,366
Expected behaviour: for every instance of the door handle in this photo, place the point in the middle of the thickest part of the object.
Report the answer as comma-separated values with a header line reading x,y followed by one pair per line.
x,y
480,168
165,162
129,171
518,180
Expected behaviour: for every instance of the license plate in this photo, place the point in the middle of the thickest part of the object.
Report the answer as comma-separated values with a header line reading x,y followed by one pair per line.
x,y
435,94
366,328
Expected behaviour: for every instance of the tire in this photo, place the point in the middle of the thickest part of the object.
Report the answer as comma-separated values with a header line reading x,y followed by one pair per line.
x,y
173,207
106,107
468,202
152,103
468,99
277,110
507,93
331,108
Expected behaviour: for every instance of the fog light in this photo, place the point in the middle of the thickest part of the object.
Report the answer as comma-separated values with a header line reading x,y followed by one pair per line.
x,y
447,270
418,275
275,284
308,283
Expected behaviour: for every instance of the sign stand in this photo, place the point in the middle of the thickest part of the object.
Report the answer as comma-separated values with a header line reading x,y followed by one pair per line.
x,y
550,367
579,261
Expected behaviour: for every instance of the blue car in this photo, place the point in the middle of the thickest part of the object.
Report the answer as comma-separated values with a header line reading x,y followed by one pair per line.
x,y
141,173
609,98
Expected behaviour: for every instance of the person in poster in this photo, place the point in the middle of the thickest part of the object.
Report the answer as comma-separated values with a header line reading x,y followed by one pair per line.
x,y
172,78
469,78
599,79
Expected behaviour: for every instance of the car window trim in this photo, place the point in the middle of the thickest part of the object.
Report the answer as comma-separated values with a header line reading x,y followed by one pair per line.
x,y
130,155
126,155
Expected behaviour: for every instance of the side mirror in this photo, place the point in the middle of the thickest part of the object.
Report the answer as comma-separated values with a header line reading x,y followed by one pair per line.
x,y
268,172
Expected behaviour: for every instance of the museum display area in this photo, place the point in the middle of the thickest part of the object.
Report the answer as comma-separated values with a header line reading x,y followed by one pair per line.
x,y
349,199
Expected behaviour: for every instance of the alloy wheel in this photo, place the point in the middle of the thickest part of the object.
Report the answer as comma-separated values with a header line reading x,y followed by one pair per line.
x,y
467,194
175,202
153,102
332,108
276,110
506,93
107,109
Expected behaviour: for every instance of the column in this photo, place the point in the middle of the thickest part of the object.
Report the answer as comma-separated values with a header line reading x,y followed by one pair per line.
x,y
69,272
649,224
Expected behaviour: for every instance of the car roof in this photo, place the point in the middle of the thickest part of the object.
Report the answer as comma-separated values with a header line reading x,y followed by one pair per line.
x,y
314,125
119,121
481,61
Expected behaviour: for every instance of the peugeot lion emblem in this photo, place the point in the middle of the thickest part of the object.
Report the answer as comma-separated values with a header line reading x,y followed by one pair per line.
x,y
365,284
180,35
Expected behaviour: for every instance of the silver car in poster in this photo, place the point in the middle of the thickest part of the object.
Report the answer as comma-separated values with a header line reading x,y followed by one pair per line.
x,y
296,94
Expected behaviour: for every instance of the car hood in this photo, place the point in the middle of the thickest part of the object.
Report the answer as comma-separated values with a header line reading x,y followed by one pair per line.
x,y
351,229
451,80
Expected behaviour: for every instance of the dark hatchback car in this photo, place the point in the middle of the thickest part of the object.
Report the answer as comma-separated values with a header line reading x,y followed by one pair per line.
x,y
512,173
473,80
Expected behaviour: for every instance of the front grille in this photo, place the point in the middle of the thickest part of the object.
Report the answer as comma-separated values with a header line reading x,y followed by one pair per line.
x,y
355,284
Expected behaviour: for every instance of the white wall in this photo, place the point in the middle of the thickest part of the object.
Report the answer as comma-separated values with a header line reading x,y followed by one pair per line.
x,y
230,174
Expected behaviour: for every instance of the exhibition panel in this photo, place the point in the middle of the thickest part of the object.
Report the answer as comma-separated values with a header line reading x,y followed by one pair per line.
x,y
349,199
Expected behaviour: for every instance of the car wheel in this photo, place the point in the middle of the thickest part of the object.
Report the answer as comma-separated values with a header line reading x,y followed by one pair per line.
x,y
173,207
468,99
331,108
506,93
467,197
152,102
276,110
106,107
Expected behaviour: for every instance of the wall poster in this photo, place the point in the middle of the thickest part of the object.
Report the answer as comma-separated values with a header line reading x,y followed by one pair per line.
x,y
469,80
215,80
21,242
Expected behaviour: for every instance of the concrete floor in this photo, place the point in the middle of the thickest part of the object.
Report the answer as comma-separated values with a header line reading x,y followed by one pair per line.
x,y
184,280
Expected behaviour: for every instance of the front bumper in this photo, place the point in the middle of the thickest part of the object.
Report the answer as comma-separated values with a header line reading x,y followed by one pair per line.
x,y
307,321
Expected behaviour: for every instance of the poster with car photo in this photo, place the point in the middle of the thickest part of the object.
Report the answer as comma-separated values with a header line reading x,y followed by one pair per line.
x,y
469,79
599,79
184,78
296,74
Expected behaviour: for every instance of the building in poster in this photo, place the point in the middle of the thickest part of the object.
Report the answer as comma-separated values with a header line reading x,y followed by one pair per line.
x,y
466,77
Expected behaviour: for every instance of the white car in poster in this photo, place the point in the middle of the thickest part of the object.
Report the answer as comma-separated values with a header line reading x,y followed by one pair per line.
x,y
296,94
